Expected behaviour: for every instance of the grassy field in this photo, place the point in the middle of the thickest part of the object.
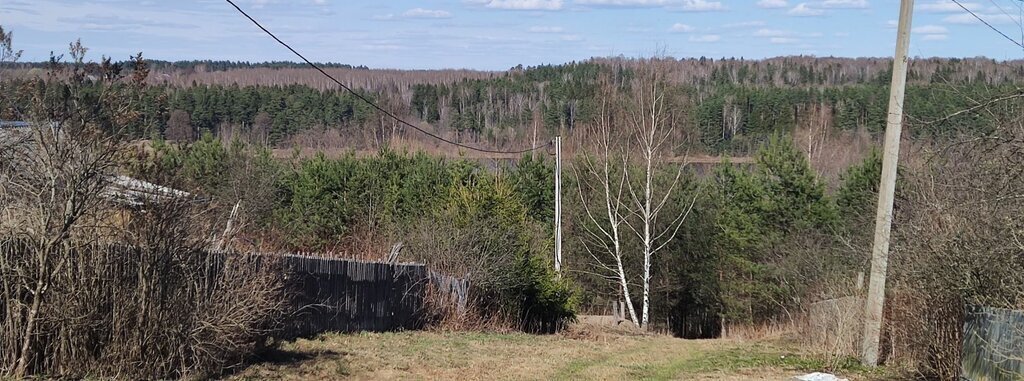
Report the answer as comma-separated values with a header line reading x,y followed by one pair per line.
x,y
579,354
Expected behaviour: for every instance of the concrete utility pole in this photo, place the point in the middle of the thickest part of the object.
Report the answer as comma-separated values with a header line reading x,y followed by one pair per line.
x,y
558,205
873,305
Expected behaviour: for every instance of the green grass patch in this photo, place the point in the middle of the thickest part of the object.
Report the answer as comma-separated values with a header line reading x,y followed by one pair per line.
x,y
761,356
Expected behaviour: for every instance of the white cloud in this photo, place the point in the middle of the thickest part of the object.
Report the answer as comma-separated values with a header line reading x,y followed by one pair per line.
x,y
421,13
968,19
320,2
702,6
572,37
706,38
842,34
545,29
804,10
771,33
945,6
931,32
681,28
259,3
783,40
678,5
847,4
525,5
744,24
628,3
384,17
639,29
819,8
930,29
772,3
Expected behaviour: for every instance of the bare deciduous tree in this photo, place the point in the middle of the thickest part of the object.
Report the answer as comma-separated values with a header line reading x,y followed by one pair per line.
x,y
54,178
642,124
93,283
604,173
179,127
651,124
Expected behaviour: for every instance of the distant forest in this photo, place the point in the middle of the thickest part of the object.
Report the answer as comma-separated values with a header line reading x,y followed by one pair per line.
x,y
204,65
732,105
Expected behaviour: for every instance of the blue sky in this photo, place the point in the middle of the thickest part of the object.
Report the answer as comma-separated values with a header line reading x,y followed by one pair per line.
x,y
498,34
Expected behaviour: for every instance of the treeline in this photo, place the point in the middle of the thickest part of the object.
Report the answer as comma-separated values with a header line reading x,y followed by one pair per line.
x,y
730,106
220,65
734,108
736,119
204,65
271,112
504,112
263,114
554,97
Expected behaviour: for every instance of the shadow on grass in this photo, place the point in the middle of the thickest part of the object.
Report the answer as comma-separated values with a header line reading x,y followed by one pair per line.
x,y
277,360
284,357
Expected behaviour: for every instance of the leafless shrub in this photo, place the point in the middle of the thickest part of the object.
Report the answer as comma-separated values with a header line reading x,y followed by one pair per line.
x,y
442,313
179,127
956,242
830,150
125,285
95,284
832,327
489,257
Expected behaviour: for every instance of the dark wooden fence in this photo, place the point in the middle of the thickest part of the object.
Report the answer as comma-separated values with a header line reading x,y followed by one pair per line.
x,y
325,294
342,295
993,347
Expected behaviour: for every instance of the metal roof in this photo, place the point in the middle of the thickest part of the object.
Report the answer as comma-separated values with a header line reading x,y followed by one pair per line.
x,y
137,192
121,189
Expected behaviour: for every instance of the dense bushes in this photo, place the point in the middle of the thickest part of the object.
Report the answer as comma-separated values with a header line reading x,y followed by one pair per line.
x,y
111,309
756,247
957,242
98,281
490,227
740,247
482,232
323,198
763,241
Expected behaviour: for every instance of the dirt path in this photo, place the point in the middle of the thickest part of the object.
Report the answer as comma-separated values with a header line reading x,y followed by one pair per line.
x,y
478,356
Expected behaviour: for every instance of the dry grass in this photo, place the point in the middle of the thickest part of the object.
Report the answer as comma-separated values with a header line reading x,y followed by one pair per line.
x,y
582,352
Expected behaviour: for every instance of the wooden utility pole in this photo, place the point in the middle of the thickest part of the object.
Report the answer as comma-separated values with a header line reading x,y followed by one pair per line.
x,y
558,205
873,305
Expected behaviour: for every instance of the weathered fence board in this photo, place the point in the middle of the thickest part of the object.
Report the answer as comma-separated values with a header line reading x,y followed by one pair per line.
x,y
346,295
325,294
993,348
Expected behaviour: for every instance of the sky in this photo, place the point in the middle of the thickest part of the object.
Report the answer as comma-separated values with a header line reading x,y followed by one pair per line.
x,y
499,34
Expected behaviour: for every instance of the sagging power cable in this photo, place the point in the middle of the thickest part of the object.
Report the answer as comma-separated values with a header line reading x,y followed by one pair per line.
x,y
371,103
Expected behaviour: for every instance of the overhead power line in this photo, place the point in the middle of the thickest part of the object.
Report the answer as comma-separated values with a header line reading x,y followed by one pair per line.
x,y
1015,42
1016,21
371,103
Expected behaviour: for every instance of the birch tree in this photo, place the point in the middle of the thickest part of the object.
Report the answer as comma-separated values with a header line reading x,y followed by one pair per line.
x,y
604,172
652,126
630,122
